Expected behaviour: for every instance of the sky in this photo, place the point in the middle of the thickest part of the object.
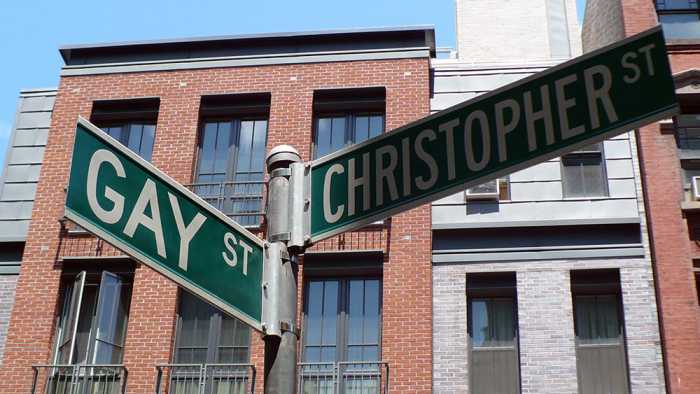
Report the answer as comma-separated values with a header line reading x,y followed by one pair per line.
x,y
32,31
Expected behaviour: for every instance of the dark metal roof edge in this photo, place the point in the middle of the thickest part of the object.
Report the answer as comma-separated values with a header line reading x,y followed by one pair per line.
x,y
429,31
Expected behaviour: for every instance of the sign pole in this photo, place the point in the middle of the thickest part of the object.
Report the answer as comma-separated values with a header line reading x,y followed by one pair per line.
x,y
280,281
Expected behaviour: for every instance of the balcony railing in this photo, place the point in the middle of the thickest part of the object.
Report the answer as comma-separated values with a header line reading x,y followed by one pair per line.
x,y
79,379
241,201
205,379
362,377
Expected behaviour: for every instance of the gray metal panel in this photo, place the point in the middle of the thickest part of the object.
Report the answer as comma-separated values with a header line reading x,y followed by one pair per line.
x,y
245,61
33,120
494,371
617,169
13,210
37,103
537,255
543,172
622,188
22,173
12,231
31,137
475,83
534,223
617,149
18,192
558,29
601,369
26,155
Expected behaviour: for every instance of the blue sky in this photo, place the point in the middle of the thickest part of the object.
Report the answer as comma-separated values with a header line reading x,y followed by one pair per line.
x,y
32,31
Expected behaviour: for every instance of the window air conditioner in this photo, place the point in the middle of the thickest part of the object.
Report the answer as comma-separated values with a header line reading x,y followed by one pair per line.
x,y
696,188
485,191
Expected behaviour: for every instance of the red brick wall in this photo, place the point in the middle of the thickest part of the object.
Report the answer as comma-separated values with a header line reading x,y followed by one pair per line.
x,y
407,274
673,251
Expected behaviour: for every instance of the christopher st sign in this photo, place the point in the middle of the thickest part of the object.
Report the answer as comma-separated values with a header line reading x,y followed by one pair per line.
x,y
123,199
583,101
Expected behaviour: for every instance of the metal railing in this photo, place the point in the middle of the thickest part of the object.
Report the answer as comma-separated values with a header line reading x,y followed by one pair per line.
x,y
205,379
241,201
361,377
79,379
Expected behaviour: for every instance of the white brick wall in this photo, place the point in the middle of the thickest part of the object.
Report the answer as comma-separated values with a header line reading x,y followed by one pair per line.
x,y
547,348
7,298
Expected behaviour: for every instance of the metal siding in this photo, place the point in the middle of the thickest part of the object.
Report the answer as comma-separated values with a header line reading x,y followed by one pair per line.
x,y
558,29
23,162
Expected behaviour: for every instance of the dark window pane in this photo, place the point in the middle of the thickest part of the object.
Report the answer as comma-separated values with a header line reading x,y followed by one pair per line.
x,y
376,126
597,319
323,136
338,134
330,313
493,322
245,147
361,129
583,175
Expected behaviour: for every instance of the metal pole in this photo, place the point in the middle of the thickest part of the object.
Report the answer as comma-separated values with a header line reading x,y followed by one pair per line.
x,y
280,310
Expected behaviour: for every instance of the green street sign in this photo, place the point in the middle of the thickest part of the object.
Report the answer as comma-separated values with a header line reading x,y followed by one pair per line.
x,y
586,100
126,201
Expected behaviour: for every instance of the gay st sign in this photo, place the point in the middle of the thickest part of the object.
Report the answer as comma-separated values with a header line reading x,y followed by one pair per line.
x,y
124,200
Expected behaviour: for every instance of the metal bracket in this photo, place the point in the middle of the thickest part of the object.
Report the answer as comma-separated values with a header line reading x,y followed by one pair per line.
x,y
289,327
279,237
281,172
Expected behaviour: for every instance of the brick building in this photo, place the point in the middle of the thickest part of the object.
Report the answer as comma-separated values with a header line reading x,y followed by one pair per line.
x,y
542,280
669,159
205,111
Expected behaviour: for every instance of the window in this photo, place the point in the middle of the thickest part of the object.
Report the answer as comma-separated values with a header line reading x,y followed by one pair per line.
x,y
205,335
600,343
680,18
493,332
342,334
346,117
131,122
583,172
231,163
91,327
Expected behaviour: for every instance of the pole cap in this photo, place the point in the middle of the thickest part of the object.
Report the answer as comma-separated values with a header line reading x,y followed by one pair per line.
x,y
282,156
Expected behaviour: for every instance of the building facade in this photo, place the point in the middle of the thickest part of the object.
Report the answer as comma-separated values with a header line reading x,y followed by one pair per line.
x,y
669,158
542,281
18,181
205,111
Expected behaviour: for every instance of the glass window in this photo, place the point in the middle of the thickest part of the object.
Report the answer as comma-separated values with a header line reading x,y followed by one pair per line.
x,y
332,133
138,137
492,325
680,18
231,167
92,324
342,329
583,173
207,335
600,345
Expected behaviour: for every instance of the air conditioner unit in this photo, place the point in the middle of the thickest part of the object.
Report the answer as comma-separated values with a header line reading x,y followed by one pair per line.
x,y
485,191
696,188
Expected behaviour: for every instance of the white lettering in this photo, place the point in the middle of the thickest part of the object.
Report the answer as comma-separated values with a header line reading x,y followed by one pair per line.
x,y
480,116
406,165
246,250
601,94
328,214
449,129
230,243
646,50
355,182
502,128
421,181
386,173
186,232
112,216
563,104
138,216
631,66
545,115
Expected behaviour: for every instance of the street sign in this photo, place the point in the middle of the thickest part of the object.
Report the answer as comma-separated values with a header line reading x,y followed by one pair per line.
x,y
123,199
580,102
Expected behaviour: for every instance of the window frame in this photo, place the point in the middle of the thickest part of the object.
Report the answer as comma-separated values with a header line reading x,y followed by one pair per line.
x,y
579,154
350,117
341,342
214,333
234,148
86,277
